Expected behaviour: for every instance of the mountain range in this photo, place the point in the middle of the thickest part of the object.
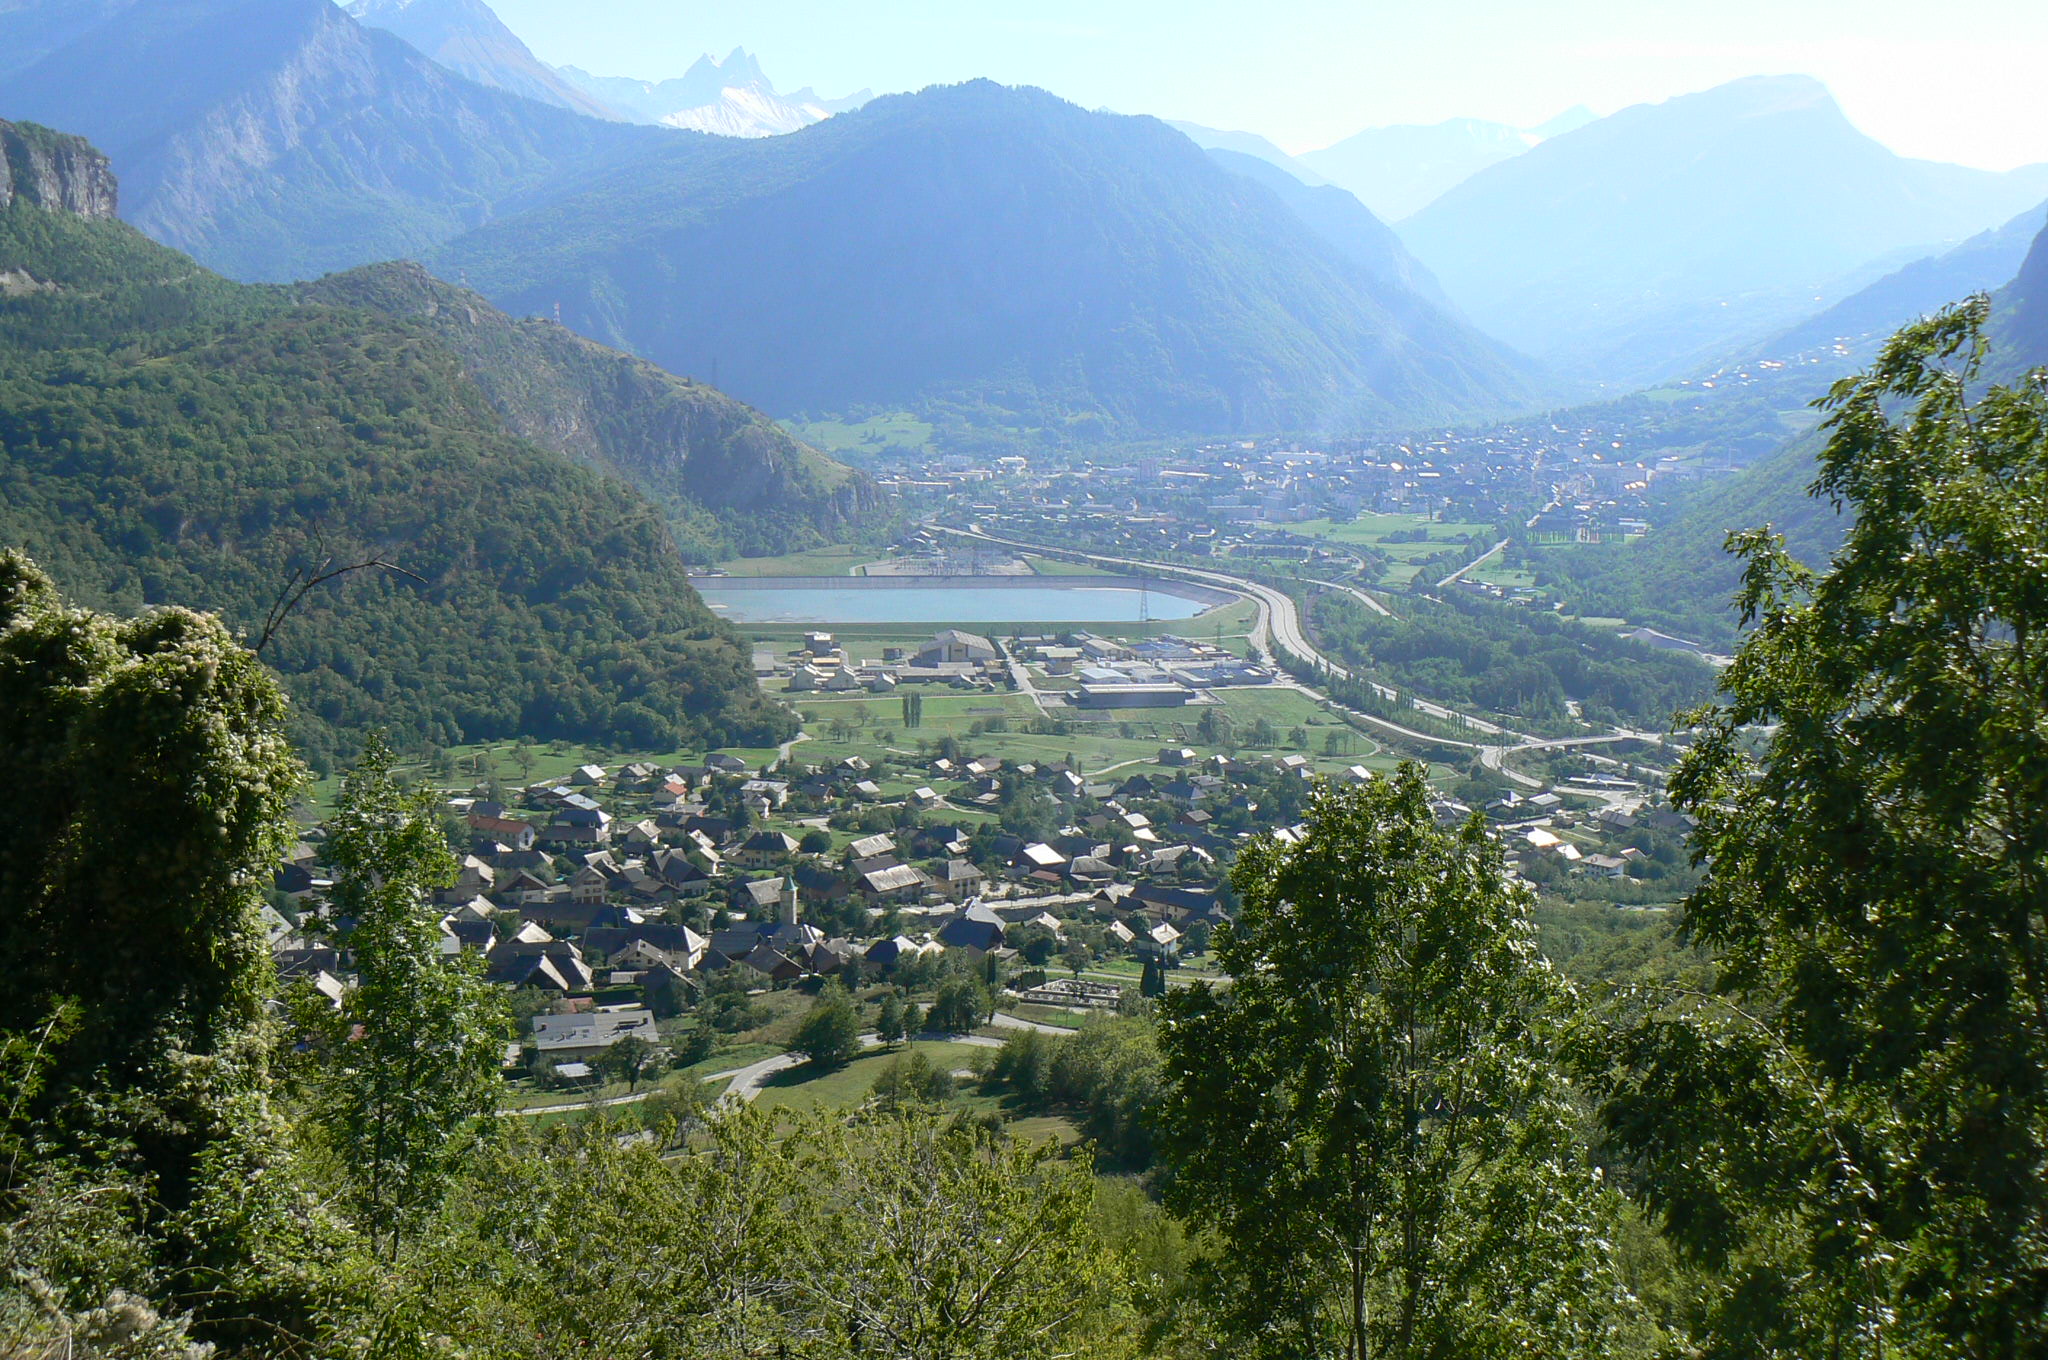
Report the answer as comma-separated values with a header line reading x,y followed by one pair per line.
x,y
1343,222
999,254
1662,236
994,251
1397,171
277,139
1865,319
733,98
1247,144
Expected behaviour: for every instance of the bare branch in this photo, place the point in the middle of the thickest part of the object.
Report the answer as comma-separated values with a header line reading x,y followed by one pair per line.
x,y
303,581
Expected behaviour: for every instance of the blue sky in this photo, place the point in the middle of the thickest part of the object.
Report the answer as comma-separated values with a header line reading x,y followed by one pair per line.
x,y
1958,82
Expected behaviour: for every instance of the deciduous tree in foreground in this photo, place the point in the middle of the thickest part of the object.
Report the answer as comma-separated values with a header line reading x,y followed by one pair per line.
x,y
1370,1117
1852,1130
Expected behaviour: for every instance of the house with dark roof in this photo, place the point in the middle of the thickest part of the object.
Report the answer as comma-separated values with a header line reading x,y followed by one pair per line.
x,y
578,821
765,850
976,929
958,880
893,950
505,831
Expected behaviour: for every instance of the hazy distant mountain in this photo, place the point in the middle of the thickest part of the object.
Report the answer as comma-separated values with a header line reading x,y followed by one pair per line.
x,y
1247,144
1397,170
1342,221
983,249
280,138
1641,242
1571,120
1864,319
32,29
2020,316
467,37
733,98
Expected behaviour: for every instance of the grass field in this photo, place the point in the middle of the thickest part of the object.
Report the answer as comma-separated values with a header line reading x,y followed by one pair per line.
x,y
1044,1015
1370,531
1494,574
867,436
837,560
806,1088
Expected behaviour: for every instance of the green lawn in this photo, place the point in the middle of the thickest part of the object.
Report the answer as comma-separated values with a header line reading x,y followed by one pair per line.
x,y
1097,745
731,1059
1044,1015
805,1088
1053,566
1369,530
1039,1127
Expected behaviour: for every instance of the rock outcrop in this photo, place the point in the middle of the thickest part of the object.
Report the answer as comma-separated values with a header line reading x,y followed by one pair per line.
x,y
54,170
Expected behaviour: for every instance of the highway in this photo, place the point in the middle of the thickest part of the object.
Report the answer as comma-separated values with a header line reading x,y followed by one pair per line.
x,y
1279,622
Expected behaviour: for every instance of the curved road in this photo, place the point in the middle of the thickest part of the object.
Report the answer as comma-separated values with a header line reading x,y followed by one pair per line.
x,y
1279,622
747,1081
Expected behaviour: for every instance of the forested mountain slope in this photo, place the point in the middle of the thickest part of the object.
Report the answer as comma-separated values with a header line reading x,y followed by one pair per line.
x,y
166,435
278,139
2019,319
1339,218
1680,578
988,249
731,480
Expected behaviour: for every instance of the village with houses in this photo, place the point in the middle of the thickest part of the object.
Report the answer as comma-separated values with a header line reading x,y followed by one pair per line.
x,y
685,913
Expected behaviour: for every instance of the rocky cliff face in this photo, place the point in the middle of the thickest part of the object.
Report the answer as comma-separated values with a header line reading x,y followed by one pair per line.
x,y
55,171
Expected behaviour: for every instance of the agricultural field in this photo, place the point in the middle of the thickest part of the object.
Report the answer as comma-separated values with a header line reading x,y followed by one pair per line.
x,y
873,729
1373,531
